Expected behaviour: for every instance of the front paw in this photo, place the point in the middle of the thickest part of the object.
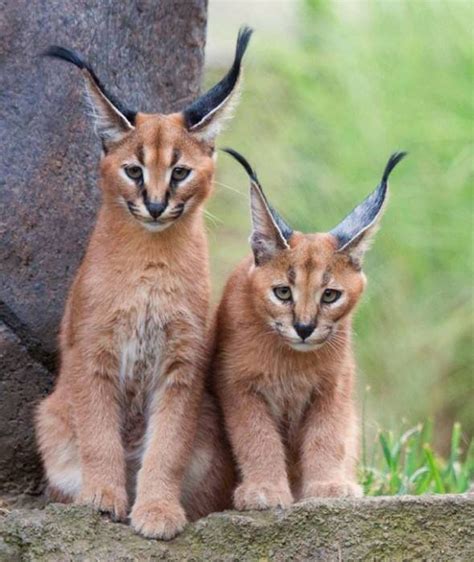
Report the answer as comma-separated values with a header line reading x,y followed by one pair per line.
x,y
332,489
262,496
106,499
158,519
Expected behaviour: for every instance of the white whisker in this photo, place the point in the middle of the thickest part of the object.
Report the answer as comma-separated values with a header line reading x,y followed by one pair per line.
x,y
230,188
213,218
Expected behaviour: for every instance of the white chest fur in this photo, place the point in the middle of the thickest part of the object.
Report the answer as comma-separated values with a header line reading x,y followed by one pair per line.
x,y
141,351
287,398
140,335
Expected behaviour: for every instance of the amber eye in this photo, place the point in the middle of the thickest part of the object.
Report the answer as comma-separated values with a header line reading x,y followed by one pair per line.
x,y
134,172
330,296
179,174
283,293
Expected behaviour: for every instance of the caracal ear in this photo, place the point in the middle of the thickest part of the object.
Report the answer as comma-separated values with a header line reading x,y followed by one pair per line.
x,y
206,116
355,233
112,120
270,233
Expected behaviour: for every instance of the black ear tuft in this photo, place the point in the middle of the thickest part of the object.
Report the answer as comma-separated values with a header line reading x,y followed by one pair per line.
x,y
66,54
285,230
201,110
243,38
362,221
394,159
243,162
78,60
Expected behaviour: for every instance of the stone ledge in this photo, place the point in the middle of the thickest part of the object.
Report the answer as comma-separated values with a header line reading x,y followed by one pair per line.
x,y
398,528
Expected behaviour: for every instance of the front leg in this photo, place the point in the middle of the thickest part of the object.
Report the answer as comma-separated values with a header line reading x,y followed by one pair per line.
x,y
97,426
258,448
329,445
157,512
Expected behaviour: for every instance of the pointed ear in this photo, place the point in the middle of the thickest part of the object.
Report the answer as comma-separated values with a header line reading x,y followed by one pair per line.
x,y
355,233
270,233
112,120
206,116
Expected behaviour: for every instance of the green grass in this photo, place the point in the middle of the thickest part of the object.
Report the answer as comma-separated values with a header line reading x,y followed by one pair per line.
x,y
320,113
407,464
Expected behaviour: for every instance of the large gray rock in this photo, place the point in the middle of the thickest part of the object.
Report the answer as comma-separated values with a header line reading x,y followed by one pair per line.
x,y
22,381
149,54
399,528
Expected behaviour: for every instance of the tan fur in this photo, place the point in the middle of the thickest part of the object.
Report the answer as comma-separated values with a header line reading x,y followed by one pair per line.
x,y
289,413
132,345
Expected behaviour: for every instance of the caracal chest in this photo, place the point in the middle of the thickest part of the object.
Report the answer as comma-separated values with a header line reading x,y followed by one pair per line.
x,y
140,340
287,397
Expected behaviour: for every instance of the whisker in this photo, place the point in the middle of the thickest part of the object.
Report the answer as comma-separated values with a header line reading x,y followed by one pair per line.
x,y
230,188
213,217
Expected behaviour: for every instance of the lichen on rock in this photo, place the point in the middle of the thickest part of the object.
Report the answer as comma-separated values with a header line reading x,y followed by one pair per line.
x,y
400,528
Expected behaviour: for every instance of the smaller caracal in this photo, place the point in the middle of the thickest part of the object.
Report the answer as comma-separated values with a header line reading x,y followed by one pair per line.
x,y
120,429
283,365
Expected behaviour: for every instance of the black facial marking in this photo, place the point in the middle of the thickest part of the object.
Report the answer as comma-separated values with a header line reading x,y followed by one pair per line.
x,y
326,278
145,196
141,155
177,211
291,275
76,58
176,157
131,207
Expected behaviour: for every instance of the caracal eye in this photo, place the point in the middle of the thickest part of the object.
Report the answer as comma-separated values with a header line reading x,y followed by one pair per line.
x,y
134,172
179,173
330,296
283,293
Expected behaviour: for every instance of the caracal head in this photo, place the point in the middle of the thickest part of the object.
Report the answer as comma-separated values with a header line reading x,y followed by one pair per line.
x,y
304,285
157,168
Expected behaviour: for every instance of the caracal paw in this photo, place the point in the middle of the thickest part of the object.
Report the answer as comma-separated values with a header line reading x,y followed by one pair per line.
x,y
106,499
158,519
332,489
264,495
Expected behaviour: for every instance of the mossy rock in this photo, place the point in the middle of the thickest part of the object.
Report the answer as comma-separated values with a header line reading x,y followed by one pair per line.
x,y
399,528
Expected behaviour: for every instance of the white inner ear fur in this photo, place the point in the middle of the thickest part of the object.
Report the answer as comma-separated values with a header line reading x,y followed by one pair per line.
x,y
107,127
214,122
262,219
361,242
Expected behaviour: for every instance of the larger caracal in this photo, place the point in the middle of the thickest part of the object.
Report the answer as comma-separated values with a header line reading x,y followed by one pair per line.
x,y
119,430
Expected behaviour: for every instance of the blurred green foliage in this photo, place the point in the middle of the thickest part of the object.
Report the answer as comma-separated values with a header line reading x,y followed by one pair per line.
x,y
320,114
406,463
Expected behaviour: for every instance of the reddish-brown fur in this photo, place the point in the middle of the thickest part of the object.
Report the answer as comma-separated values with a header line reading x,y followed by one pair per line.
x,y
289,414
132,337
288,404
129,424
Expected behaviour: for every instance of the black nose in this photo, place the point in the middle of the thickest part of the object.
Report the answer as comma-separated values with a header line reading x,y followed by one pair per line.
x,y
304,330
155,209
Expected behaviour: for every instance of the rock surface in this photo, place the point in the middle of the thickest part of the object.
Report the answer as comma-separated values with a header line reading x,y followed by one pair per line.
x,y
22,381
150,55
400,528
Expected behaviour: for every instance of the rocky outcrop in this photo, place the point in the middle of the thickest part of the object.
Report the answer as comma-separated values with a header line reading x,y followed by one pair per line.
x,y
22,381
399,528
150,55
